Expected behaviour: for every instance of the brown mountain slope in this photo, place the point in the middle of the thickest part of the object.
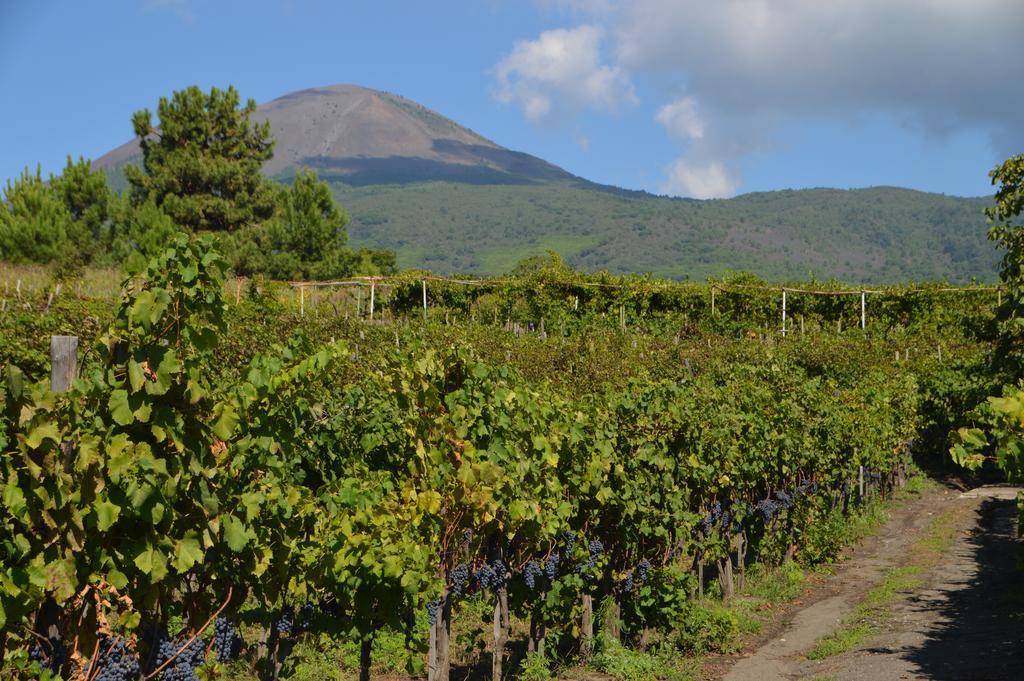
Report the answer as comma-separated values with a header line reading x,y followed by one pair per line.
x,y
363,136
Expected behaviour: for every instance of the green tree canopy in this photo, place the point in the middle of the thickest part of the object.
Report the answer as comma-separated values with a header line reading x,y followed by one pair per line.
x,y
202,160
304,240
1007,230
34,222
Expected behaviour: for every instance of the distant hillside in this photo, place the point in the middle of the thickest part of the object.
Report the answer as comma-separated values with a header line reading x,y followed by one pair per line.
x,y
874,235
449,200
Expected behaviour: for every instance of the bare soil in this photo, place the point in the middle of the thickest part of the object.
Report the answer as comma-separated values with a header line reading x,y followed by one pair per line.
x,y
965,621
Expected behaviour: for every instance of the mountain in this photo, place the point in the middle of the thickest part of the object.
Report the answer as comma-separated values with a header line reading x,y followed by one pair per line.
x,y
447,199
360,137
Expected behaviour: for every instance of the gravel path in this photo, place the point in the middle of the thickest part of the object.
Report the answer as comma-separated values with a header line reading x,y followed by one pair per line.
x,y
965,622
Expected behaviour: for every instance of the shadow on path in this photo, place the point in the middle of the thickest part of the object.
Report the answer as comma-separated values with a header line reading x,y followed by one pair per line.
x,y
978,625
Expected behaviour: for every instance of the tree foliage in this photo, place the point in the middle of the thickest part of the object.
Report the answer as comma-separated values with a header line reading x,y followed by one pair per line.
x,y
202,161
305,239
1008,232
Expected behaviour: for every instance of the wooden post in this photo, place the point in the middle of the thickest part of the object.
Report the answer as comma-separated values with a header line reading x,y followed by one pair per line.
x,y
373,294
801,325
63,362
424,300
576,304
302,301
863,309
783,313
999,296
712,300
860,482
587,627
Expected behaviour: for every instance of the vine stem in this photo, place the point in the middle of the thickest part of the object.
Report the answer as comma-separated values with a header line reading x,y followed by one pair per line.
x,y
194,637
94,669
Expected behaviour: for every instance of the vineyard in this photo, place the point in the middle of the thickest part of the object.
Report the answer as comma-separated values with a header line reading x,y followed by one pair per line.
x,y
235,475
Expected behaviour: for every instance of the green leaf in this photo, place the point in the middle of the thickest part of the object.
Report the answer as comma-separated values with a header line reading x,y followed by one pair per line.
x,y
226,420
119,409
187,553
152,561
136,377
44,431
234,533
168,368
107,514
117,578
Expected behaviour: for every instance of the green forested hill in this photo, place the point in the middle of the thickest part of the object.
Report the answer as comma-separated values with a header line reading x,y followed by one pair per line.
x,y
880,234
447,199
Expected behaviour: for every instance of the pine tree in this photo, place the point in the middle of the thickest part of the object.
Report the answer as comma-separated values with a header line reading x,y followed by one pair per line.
x,y
34,222
202,161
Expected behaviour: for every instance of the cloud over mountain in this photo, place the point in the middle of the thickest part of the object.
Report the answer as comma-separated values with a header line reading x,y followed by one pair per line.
x,y
738,70
562,70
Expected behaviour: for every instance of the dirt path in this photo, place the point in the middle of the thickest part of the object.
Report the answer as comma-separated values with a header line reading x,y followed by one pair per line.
x,y
963,622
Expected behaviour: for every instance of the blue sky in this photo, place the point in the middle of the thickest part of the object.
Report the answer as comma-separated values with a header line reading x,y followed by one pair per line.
x,y
672,96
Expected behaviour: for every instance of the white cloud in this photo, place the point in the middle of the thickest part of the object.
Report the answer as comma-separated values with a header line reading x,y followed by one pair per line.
x,y
681,119
937,66
940,64
708,180
561,71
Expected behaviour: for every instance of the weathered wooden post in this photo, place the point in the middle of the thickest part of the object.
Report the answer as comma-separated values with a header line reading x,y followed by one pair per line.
x,y
783,313
424,300
373,295
63,362
863,309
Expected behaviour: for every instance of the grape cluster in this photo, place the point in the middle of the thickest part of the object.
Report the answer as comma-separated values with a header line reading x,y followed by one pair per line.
x,y
183,667
432,608
116,661
306,613
569,539
227,640
530,574
643,570
785,498
285,621
628,583
460,578
715,516
484,576
50,654
874,475
767,508
500,573
491,575
806,487
551,566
